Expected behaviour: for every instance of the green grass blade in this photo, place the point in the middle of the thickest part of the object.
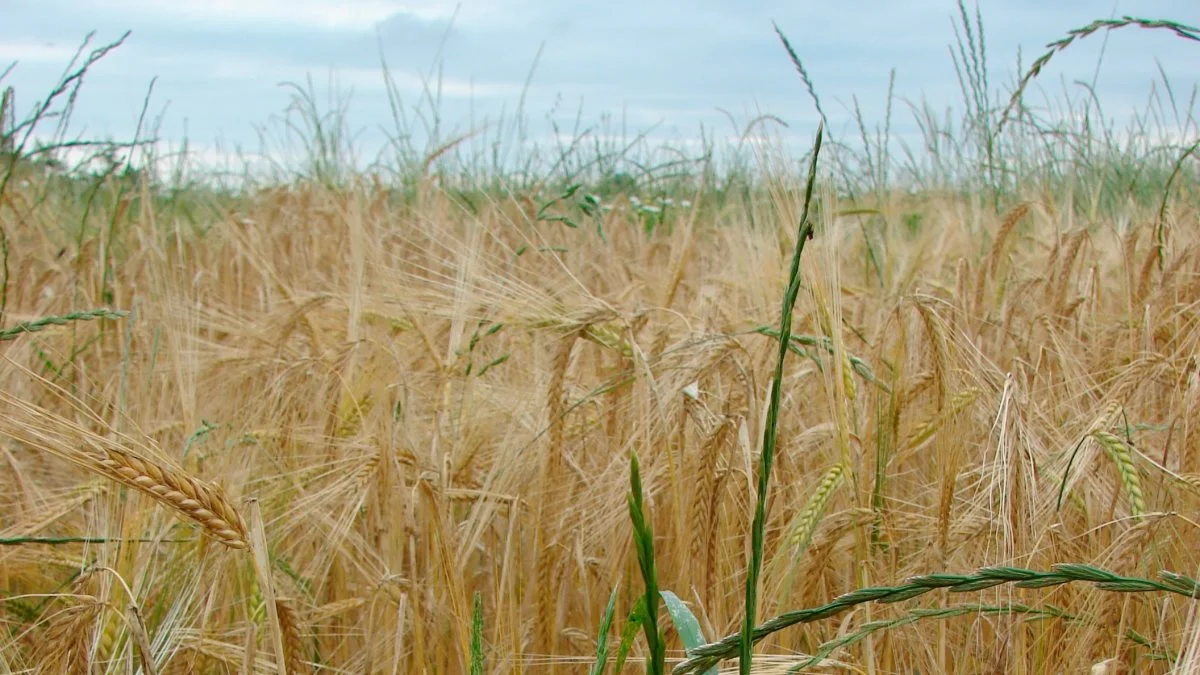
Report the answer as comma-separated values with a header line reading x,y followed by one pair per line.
x,y
632,624
686,624
644,542
477,635
703,658
16,331
769,434
602,638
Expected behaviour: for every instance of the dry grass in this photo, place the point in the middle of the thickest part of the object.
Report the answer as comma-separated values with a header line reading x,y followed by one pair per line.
x,y
323,351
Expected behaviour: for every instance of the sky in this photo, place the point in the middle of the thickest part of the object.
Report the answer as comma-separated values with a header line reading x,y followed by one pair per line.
x,y
671,70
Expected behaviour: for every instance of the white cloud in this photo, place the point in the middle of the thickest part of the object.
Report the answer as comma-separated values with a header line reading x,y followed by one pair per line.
x,y
202,161
372,79
333,15
27,51
615,64
237,67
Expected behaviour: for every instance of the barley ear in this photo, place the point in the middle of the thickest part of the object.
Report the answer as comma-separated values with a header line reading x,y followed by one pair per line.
x,y
800,534
65,646
293,647
1116,449
204,503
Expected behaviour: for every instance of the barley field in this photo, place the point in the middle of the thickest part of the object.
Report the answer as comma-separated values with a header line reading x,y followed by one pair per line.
x,y
443,425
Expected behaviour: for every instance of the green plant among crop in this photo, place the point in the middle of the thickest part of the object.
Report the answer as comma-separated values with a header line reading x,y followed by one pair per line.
x,y
771,428
37,325
478,658
644,542
705,657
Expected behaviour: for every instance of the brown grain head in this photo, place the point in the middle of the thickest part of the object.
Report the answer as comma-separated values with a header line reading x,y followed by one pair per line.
x,y
199,501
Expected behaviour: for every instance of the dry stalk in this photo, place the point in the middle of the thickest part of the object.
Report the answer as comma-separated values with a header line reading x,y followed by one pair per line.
x,y
707,501
547,558
293,646
988,269
266,584
65,646
1110,623
137,628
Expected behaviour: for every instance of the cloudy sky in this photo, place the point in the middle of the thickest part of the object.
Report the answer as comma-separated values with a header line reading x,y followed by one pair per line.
x,y
670,68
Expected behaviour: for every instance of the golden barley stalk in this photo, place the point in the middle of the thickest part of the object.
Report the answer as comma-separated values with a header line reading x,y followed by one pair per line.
x,y
988,269
1074,244
1145,275
1106,418
1191,480
826,538
945,509
707,498
962,269
261,557
707,471
926,429
137,628
66,644
547,558
350,413
199,501
1126,552
293,647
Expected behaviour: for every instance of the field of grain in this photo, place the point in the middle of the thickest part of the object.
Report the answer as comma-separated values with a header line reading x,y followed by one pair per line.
x,y
349,427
